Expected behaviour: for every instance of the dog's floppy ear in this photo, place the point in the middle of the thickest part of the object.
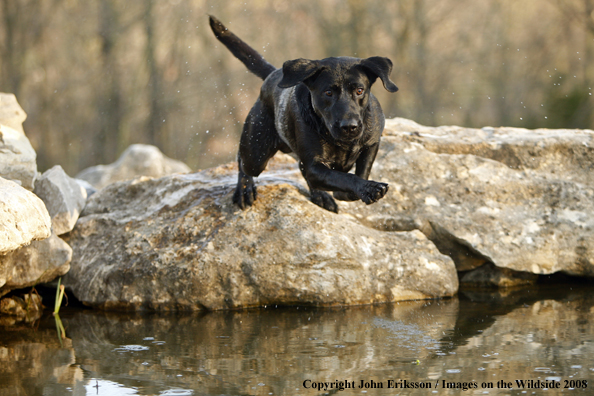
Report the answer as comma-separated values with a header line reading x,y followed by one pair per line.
x,y
296,71
380,67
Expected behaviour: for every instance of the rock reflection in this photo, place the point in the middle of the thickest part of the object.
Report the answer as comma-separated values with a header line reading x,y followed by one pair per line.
x,y
256,351
34,361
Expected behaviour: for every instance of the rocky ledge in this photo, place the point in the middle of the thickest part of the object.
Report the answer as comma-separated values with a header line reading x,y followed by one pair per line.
x,y
494,207
492,199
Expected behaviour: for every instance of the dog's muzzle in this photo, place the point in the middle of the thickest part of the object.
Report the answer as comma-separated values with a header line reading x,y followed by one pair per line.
x,y
347,129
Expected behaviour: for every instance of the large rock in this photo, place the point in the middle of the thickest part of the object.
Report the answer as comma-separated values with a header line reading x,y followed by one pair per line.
x,y
513,198
11,113
40,262
17,157
23,217
137,160
63,197
179,243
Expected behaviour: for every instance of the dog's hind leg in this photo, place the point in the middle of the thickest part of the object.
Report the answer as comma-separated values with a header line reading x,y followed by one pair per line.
x,y
259,142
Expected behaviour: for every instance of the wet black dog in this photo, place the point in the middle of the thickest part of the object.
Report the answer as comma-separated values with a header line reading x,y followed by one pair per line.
x,y
323,111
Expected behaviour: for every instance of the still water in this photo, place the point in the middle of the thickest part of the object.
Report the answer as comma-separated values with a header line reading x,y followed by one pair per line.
x,y
481,341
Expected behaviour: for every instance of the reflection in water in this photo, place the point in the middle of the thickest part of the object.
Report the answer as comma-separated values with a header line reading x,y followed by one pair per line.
x,y
477,338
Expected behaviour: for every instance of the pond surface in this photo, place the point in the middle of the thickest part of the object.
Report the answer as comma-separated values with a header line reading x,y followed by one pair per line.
x,y
543,336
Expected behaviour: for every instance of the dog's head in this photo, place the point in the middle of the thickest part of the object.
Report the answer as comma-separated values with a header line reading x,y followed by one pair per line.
x,y
340,89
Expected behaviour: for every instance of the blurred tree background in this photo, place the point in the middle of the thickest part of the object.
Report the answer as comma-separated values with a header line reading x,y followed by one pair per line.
x,y
95,77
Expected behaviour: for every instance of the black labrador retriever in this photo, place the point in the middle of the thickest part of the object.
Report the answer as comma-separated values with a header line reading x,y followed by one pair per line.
x,y
323,111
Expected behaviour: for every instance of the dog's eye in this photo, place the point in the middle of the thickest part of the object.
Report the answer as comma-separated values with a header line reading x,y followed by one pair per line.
x,y
328,93
360,91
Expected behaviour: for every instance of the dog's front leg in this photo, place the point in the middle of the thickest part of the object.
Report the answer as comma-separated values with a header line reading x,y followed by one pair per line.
x,y
320,198
320,177
363,169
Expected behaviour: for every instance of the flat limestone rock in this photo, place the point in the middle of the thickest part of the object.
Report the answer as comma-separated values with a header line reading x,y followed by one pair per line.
x,y
519,199
40,262
63,197
23,217
178,243
137,160
565,154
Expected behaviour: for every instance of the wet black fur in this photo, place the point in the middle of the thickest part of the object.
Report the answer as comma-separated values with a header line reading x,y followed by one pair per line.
x,y
329,119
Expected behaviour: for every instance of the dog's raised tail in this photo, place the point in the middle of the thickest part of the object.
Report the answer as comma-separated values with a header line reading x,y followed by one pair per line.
x,y
249,56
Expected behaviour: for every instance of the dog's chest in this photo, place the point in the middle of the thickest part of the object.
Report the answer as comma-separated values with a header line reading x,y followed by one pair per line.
x,y
338,158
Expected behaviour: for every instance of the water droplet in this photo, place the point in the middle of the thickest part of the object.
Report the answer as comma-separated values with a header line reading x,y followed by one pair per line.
x,y
132,348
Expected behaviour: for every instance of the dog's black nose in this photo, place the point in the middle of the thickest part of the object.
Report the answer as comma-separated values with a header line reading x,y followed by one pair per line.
x,y
349,126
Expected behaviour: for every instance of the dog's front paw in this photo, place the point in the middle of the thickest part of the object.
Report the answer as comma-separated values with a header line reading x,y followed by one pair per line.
x,y
345,196
372,191
245,194
324,200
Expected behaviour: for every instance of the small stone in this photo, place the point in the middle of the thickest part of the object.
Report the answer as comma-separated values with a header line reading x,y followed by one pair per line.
x,y
63,197
27,306
137,160
87,186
